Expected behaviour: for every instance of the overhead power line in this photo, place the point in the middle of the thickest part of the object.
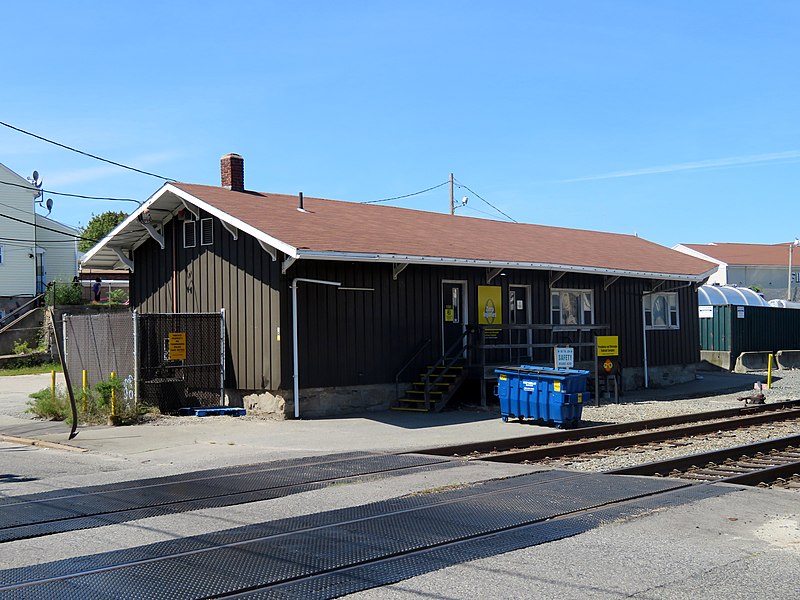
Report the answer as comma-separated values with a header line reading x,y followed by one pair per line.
x,y
466,187
36,225
28,187
94,156
406,195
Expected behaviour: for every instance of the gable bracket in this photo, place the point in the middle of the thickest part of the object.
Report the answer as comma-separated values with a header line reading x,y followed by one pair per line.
x,y
195,213
398,268
609,281
492,273
128,262
268,249
153,233
555,276
657,286
232,230
287,263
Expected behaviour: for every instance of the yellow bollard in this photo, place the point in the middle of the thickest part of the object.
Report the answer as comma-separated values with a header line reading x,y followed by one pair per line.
x,y
53,384
85,405
113,396
769,372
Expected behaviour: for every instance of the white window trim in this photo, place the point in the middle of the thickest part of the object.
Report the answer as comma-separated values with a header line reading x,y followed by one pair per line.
x,y
204,242
194,229
2,254
577,291
672,301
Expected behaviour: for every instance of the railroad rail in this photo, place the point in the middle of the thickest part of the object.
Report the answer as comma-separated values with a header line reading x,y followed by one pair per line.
x,y
614,437
596,431
752,464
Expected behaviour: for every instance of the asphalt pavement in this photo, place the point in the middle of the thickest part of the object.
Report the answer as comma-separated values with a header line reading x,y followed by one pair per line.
x,y
745,544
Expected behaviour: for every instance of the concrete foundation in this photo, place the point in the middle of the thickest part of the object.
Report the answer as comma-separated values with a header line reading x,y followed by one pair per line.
x,y
316,402
658,377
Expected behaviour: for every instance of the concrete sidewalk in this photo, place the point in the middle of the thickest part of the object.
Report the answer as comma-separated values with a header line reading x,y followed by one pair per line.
x,y
225,439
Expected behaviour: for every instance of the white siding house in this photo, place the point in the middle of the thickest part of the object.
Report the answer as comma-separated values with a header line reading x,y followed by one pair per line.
x,y
24,246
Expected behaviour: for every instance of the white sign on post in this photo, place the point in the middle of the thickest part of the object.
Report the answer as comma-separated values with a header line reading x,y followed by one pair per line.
x,y
565,357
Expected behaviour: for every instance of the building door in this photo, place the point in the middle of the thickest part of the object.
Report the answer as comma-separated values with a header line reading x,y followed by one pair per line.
x,y
41,274
519,313
454,313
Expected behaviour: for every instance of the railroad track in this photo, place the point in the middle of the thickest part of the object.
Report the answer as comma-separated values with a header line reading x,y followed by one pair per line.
x,y
772,462
620,437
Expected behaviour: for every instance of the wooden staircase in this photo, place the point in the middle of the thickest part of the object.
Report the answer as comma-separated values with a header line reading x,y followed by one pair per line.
x,y
439,381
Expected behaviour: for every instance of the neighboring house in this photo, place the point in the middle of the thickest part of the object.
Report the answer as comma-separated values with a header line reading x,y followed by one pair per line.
x,y
34,249
761,266
407,276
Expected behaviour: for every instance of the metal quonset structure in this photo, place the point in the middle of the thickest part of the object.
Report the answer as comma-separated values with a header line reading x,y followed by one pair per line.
x,y
411,286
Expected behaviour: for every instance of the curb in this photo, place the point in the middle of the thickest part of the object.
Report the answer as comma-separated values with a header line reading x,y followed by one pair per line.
x,y
42,443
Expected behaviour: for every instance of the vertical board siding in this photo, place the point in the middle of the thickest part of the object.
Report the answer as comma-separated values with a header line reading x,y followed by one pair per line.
x,y
351,337
236,275
763,329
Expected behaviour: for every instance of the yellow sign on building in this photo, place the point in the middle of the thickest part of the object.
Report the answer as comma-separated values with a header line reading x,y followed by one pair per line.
x,y
490,305
607,345
177,345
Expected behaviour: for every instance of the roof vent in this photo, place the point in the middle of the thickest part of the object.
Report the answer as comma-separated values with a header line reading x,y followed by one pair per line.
x,y
232,172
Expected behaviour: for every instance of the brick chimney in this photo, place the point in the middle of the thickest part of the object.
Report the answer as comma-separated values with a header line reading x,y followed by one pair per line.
x,y
231,168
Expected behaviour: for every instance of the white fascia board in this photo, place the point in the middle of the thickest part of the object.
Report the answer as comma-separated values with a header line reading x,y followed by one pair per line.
x,y
128,220
240,225
697,254
428,260
69,228
27,185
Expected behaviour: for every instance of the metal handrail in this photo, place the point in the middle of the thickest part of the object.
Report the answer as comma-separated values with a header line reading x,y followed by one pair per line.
x,y
12,315
408,363
445,361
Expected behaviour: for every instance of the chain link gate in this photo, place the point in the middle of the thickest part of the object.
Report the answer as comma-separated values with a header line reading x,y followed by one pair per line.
x,y
181,359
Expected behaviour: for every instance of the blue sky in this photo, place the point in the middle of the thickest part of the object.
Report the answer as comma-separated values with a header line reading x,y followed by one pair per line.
x,y
674,120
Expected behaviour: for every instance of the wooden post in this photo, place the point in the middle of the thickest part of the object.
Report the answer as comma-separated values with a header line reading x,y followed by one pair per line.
x,y
53,385
596,375
452,200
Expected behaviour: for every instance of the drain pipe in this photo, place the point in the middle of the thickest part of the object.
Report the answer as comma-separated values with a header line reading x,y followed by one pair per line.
x,y
295,351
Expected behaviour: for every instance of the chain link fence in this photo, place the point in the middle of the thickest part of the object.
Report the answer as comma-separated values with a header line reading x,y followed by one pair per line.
x,y
101,344
165,360
181,359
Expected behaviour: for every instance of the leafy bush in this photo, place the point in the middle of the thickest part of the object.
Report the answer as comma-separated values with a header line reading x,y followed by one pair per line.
x,y
60,293
103,388
118,296
22,347
45,406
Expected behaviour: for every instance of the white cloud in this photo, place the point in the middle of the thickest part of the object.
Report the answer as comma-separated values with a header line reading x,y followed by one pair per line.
x,y
714,163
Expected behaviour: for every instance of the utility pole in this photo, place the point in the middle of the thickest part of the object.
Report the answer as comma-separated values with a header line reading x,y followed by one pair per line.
x,y
452,203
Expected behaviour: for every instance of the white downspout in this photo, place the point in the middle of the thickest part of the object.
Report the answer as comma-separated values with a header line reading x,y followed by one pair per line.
x,y
295,350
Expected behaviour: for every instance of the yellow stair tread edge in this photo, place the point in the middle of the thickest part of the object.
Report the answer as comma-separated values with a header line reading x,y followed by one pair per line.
x,y
409,409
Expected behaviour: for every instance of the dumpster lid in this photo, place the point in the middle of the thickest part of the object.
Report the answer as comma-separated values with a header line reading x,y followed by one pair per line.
x,y
540,370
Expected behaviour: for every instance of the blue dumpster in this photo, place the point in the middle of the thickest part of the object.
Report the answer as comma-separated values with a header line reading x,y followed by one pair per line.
x,y
542,394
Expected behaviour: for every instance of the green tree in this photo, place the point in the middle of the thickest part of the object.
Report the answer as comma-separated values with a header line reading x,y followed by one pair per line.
x,y
98,226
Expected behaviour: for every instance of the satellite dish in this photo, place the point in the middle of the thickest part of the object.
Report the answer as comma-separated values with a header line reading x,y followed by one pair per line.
x,y
49,205
464,201
37,179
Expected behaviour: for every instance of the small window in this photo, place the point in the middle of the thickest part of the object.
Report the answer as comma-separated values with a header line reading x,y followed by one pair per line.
x,y
189,234
572,307
206,232
661,311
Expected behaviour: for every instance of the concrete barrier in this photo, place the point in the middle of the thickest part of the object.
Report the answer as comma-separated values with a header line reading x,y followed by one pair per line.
x,y
788,359
751,361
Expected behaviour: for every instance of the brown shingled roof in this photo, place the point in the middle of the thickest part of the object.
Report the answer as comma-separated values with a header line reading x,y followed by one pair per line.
x,y
348,227
745,254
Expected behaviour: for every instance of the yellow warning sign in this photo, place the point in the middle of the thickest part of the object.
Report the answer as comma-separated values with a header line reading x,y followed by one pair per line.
x,y
490,305
449,314
607,345
177,345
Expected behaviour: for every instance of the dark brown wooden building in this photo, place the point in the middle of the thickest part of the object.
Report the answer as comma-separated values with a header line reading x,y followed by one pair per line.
x,y
378,286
